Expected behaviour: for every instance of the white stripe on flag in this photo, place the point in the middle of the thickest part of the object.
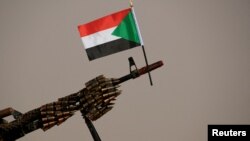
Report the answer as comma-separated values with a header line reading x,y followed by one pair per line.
x,y
99,38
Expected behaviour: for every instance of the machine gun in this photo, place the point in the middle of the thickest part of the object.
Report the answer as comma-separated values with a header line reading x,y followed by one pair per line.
x,y
93,101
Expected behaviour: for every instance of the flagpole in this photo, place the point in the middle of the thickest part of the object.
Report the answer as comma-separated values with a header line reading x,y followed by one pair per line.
x,y
146,60
131,3
142,44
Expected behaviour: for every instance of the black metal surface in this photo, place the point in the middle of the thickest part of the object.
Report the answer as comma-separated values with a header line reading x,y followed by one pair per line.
x,y
92,129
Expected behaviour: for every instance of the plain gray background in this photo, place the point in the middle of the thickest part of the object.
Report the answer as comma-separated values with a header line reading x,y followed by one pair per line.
x,y
205,45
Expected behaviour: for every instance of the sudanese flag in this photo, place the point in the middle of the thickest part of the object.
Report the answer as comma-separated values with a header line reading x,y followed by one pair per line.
x,y
110,34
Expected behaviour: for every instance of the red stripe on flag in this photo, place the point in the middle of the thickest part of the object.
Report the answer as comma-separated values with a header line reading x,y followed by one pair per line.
x,y
103,23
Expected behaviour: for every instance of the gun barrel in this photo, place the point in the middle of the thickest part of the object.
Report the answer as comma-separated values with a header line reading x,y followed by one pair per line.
x,y
150,68
136,73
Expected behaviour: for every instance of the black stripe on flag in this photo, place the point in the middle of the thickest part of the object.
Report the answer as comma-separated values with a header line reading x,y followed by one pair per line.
x,y
110,48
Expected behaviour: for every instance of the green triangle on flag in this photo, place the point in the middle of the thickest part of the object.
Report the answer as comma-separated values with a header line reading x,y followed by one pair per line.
x,y
127,29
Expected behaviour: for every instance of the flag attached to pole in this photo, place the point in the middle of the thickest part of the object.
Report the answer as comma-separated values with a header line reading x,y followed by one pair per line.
x,y
110,34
